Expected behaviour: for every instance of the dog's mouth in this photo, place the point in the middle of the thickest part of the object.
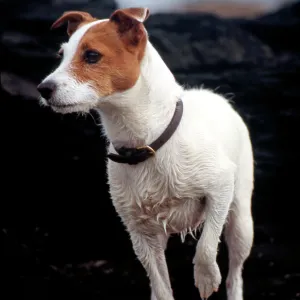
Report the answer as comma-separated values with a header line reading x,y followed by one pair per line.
x,y
55,105
61,107
69,108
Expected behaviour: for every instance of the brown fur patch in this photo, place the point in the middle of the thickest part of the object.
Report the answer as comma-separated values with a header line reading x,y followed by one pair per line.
x,y
119,66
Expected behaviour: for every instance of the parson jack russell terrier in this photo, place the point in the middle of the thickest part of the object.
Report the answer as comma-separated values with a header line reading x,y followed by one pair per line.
x,y
179,160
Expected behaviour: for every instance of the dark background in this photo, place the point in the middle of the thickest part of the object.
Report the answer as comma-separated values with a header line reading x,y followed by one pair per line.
x,y
60,234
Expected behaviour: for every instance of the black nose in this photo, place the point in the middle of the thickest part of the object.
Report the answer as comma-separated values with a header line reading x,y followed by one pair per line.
x,y
46,89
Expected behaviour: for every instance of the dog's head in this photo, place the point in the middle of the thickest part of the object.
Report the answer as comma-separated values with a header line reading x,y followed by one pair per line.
x,y
102,57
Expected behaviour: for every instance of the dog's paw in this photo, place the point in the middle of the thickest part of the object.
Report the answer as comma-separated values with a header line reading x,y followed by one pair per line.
x,y
207,279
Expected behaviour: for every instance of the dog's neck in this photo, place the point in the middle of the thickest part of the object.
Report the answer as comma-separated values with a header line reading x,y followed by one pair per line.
x,y
139,115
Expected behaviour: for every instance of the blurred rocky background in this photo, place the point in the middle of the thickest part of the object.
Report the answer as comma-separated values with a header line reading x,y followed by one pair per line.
x,y
60,235
224,8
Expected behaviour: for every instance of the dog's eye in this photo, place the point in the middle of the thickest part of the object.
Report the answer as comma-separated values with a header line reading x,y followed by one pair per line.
x,y
91,56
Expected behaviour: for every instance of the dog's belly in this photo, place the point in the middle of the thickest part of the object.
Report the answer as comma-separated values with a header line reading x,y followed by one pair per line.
x,y
169,215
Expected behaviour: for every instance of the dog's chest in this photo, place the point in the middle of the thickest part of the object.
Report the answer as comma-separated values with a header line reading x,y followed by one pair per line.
x,y
155,199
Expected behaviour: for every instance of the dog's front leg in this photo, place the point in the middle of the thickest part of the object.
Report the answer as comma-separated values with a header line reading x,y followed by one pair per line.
x,y
206,271
163,239
150,251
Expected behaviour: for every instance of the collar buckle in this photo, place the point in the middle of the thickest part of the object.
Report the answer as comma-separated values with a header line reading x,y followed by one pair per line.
x,y
150,149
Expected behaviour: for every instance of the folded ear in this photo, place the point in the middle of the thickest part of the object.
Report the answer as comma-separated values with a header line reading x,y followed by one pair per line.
x,y
129,22
74,19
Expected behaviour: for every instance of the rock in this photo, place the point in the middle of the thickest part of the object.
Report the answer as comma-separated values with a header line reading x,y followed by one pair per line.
x,y
17,86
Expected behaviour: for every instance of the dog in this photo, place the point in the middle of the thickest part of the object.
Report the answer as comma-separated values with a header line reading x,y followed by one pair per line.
x,y
179,160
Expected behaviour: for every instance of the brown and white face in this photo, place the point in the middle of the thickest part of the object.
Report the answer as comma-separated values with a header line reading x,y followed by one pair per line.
x,y
102,57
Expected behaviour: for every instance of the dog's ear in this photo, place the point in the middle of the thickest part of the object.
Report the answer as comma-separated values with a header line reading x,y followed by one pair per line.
x,y
129,22
74,19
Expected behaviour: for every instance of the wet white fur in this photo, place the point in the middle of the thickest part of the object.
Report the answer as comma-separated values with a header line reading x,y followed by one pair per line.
x,y
204,172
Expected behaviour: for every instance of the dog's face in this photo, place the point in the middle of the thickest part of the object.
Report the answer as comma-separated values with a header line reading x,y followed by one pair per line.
x,y
102,57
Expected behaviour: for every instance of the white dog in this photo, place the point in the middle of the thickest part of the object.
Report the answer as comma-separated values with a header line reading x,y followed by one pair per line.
x,y
179,158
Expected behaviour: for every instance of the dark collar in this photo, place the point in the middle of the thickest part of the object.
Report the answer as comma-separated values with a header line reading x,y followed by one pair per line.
x,y
133,156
